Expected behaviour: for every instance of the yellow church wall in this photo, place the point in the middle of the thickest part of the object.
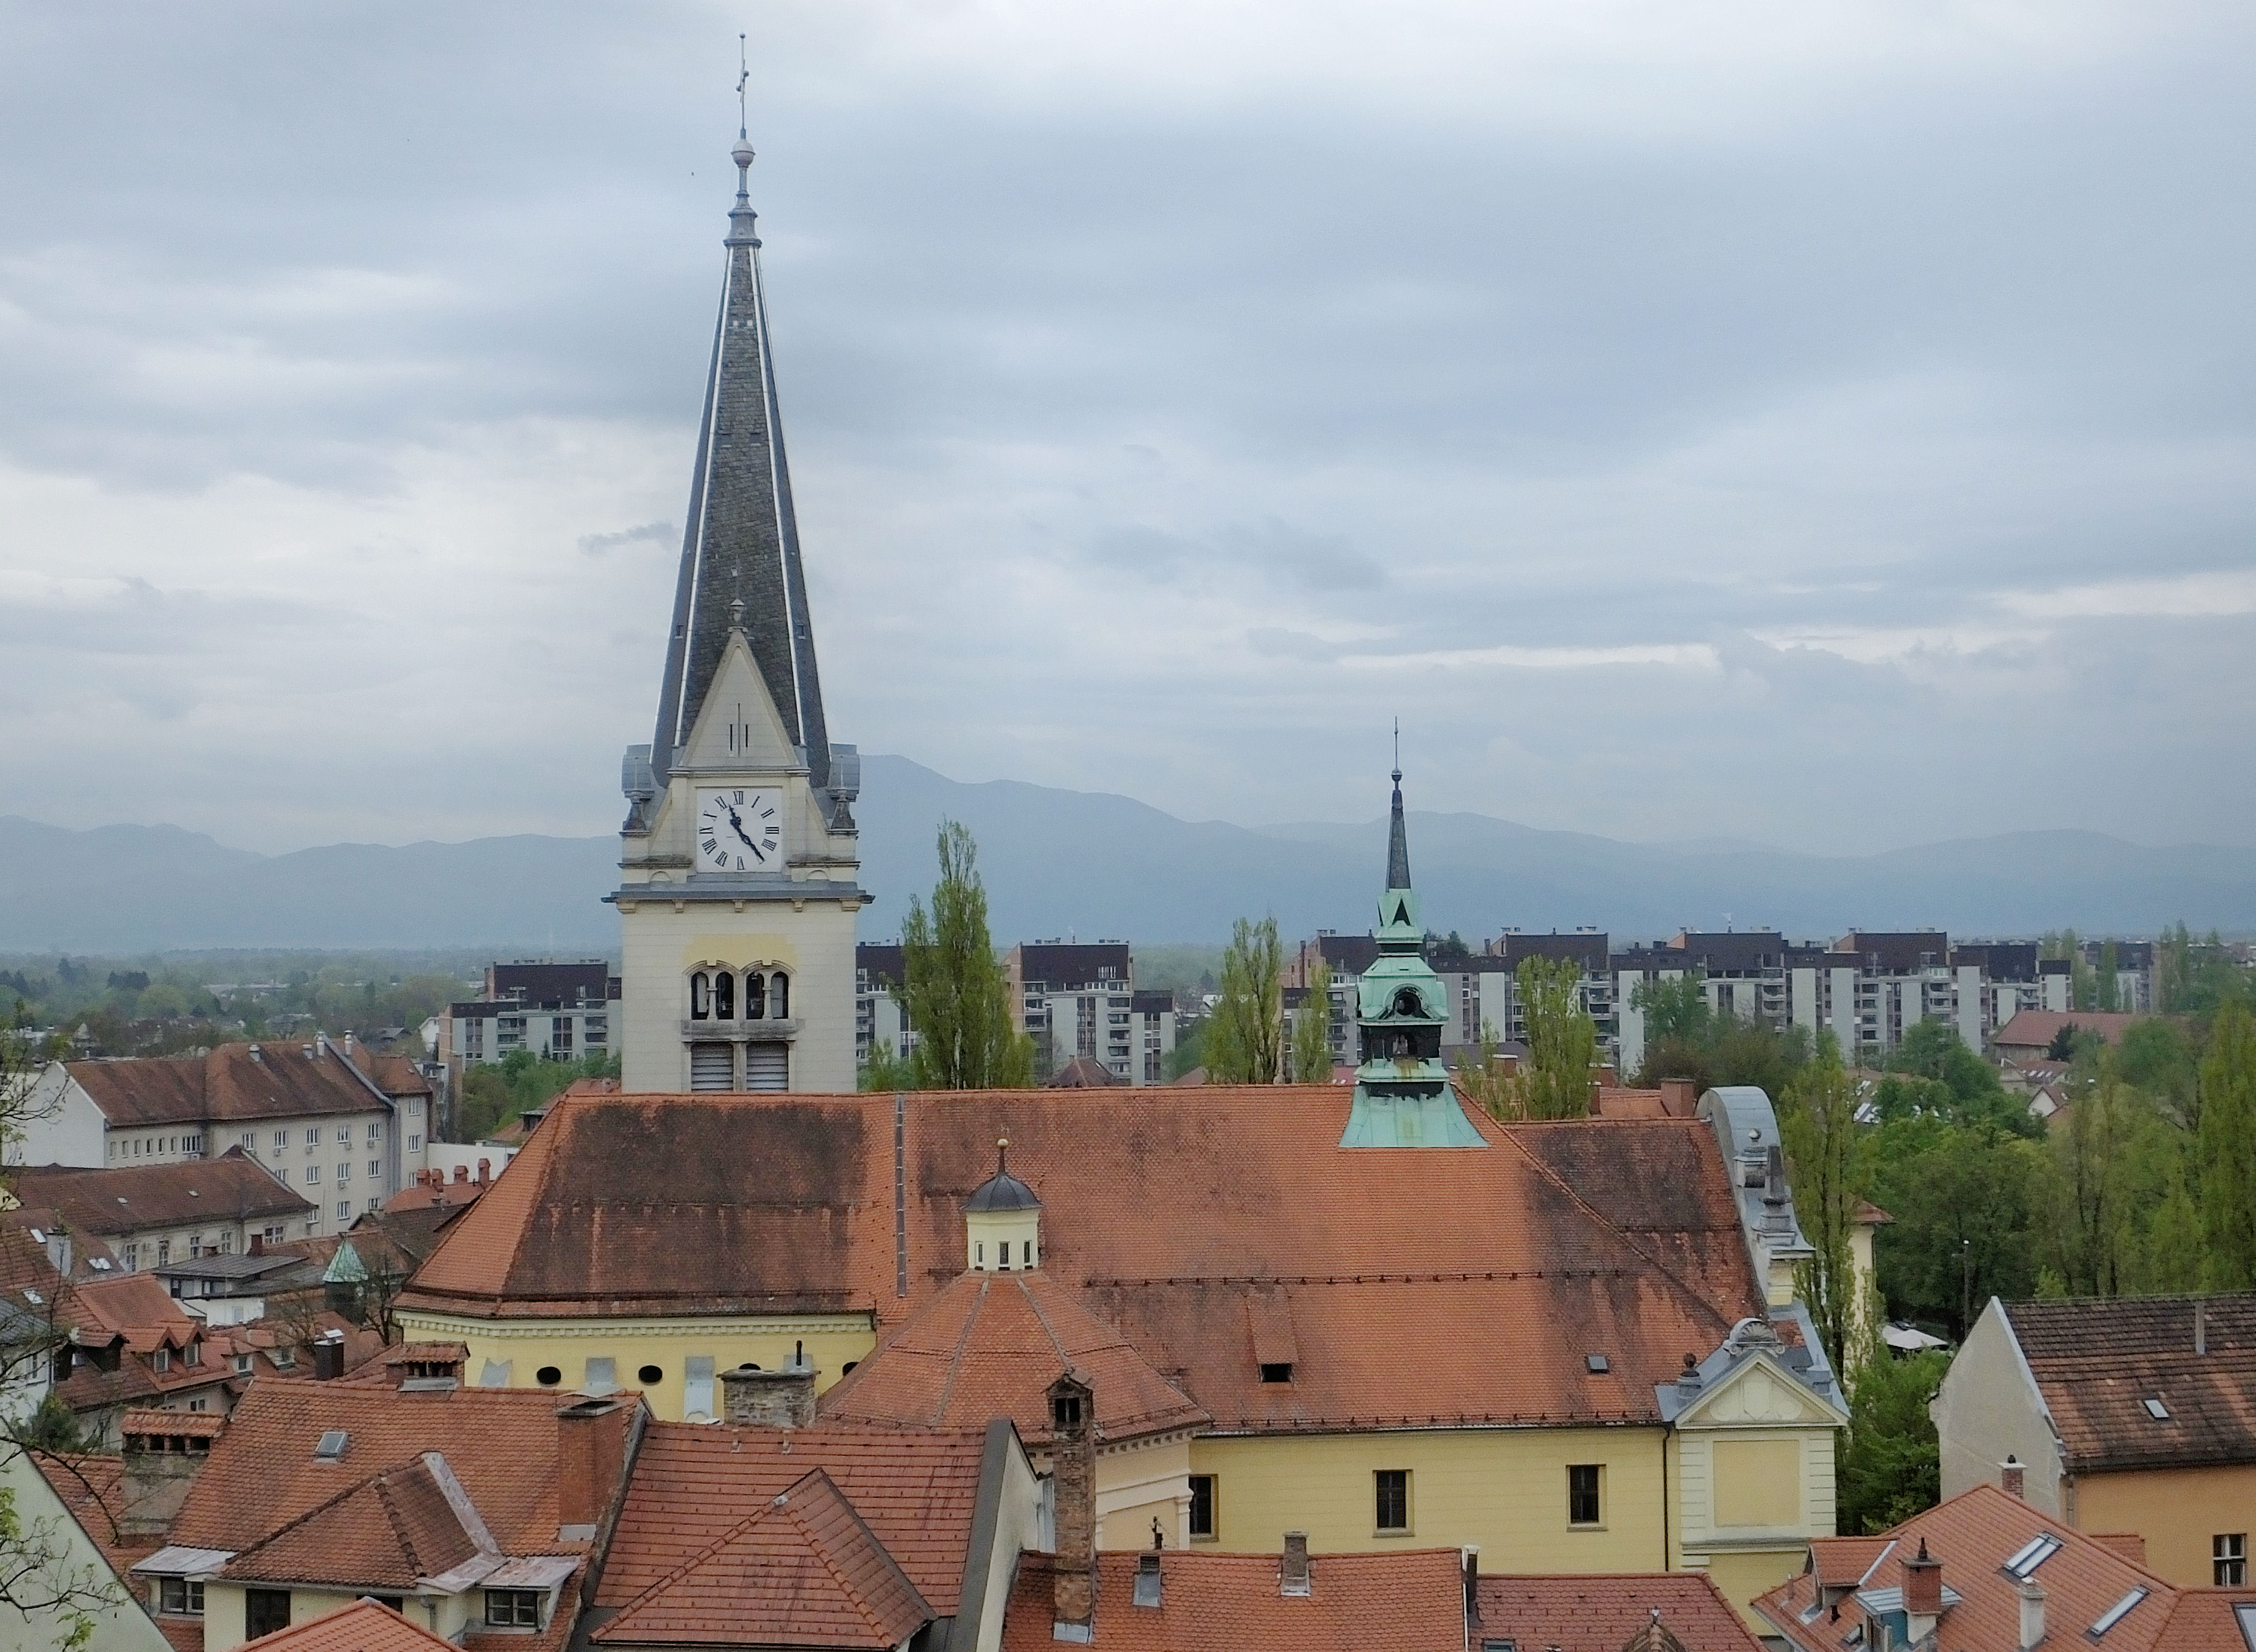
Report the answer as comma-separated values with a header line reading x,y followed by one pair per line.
x,y
1138,1484
829,1341
1504,1489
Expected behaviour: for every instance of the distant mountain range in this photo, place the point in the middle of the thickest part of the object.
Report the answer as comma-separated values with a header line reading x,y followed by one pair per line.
x,y
1093,864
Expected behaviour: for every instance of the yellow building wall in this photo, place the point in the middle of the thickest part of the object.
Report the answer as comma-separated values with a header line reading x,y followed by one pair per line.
x,y
2178,1511
1137,1484
830,1342
1505,1489
223,1612
1746,1502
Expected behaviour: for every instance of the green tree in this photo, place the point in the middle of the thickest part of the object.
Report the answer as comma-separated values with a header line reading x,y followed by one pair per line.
x,y
884,1071
2156,1058
1969,1207
2228,1152
1244,1037
1490,1079
958,996
1825,1156
1673,1009
2104,986
1312,1029
1562,1042
1190,1047
1890,1466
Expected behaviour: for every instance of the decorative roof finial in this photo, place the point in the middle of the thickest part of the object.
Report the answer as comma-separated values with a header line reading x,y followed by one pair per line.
x,y
743,74
736,614
1398,837
1398,753
742,218
1001,1155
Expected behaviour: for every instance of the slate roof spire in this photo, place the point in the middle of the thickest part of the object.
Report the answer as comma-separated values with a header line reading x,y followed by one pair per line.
x,y
741,543
1398,838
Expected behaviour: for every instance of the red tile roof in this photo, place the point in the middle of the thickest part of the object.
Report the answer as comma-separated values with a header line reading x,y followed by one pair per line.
x,y
229,1083
389,1531
1164,1207
92,1488
2035,1030
1840,1563
2097,1362
1407,1601
1972,1535
229,1189
1600,1612
500,1444
801,1570
363,1627
192,1425
990,1345
694,1486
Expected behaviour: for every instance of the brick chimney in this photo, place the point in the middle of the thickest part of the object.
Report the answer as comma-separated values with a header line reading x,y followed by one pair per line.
x,y
158,1471
1292,1570
2014,1478
590,1452
2032,1613
1073,1482
484,1165
461,1173
781,1398
1923,1594
1677,1100
328,1359
259,1243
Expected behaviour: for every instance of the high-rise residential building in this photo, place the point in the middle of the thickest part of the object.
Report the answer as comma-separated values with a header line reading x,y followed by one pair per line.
x,y
739,859
557,1011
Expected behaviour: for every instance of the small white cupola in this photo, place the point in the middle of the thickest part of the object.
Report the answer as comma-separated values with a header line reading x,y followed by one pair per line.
x,y
1003,1221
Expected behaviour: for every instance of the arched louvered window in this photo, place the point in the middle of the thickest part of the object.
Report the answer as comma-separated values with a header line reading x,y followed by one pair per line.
x,y
756,995
724,996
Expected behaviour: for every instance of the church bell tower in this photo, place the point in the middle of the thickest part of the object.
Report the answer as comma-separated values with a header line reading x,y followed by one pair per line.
x,y
738,861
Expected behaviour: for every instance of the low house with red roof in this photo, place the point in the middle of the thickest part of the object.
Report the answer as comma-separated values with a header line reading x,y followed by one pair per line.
x,y
151,1216
365,1625
2127,1415
1986,1569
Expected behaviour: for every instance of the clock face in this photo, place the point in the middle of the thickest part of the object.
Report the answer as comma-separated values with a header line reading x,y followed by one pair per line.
x,y
739,829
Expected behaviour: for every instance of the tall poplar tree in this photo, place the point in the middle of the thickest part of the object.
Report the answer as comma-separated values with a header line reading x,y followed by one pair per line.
x,y
1825,1163
1245,1036
2228,1152
1312,1029
958,997
1561,1040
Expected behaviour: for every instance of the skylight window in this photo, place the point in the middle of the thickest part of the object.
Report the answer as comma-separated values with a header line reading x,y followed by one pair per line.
x,y
2156,1410
34,1298
1596,1364
332,1445
2117,1613
2024,1561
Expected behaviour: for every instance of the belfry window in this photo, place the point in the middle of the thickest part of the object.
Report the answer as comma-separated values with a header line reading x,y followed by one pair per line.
x,y
779,996
756,996
724,996
701,998
1405,1002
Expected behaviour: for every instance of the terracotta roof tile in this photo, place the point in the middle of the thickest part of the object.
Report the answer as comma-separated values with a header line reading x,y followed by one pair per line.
x,y
2035,1030
228,1083
1972,1535
92,1488
194,1425
990,1345
1411,1600
500,1444
2212,1620
801,1570
230,1187
1164,1206
1840,1563
2097,1363
693,1485
388,1531
363,1627
1600,1612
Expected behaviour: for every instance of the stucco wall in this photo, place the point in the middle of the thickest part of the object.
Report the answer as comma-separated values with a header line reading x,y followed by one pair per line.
x,y
1988,1408
2178,1511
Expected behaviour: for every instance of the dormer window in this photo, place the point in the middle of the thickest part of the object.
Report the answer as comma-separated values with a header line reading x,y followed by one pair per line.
x,y
161,1360
1277,1371
1065,1412
513,1608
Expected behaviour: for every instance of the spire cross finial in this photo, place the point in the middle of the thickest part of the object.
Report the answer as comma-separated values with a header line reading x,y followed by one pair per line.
x,y
1398,750
743,74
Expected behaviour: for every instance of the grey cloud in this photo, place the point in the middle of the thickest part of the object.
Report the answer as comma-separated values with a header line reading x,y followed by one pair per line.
x,y
649,532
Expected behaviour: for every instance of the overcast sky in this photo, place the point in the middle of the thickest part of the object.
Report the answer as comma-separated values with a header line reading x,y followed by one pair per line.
x,y
1823,424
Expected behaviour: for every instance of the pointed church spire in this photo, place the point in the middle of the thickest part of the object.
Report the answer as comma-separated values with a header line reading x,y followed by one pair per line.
x,y
1398,838
741,543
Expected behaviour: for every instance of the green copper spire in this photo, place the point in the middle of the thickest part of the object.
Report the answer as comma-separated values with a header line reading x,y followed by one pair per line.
x,y
1403,1097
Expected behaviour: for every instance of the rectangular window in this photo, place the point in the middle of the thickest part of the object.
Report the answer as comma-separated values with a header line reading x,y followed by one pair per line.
x,y
513,1608
1202,1507
376,1131
251,1141
1392,1498
313,1175
697,1388
312,1135
345,1135
2229,1559
1583,1506
375,1168
414,1144
344,1173
161,1360
192,1354
374,1203
281,1137
344,1209
184,1596
264,1611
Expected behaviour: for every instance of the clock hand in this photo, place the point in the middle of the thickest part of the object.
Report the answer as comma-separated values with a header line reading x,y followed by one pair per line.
x,y
736,822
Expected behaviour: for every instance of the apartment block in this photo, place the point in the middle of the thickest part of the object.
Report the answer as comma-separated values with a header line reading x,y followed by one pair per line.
x,y
558,1012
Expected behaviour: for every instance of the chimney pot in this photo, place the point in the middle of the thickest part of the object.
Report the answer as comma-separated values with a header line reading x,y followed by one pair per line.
x,y
2014,1478
461,1173
259,1243
482,1170
328,1361
2032,1613
1922,1587
768,1399
590,1448
1292,1574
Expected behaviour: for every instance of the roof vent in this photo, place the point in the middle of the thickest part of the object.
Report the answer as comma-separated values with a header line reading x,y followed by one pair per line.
x,y
1598,1363
1147,1580
2156,1410
332,1446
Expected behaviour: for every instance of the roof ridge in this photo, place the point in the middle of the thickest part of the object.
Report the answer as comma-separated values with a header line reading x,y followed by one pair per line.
x,y
1065,1360
962,1339
1658,1264
822,1548
398,1521
324,1507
